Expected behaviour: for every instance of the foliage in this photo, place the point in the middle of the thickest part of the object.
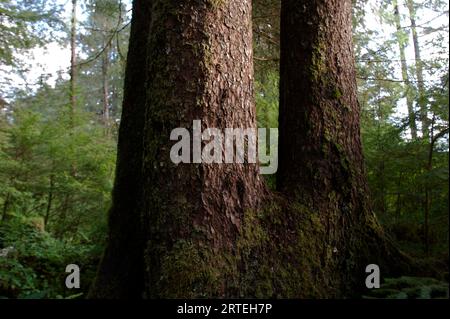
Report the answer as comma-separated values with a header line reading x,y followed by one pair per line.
x,y
55,192
35,265
25,24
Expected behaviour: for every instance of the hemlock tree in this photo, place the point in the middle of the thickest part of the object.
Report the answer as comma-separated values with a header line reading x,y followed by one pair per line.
x,y
213,230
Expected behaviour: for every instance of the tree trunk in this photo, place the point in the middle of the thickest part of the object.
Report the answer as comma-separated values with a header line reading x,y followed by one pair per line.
x,y
419,71
201,68
213,230
105,86
73,59
405,76
120,273
321,162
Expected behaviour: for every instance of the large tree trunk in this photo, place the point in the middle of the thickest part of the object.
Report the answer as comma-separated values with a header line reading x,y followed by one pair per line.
x,y
201,68
407,83
205,230
321,157
120,273
321,161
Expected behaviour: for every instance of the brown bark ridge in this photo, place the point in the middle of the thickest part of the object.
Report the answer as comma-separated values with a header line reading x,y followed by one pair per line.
x,y
321,164
201,68
120,273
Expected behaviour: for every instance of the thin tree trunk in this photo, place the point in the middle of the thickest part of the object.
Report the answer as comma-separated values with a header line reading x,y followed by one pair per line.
x,y
105,86
427,204
73,59
380,197
62,227
398,202
407,87
49,200
419,71
429,167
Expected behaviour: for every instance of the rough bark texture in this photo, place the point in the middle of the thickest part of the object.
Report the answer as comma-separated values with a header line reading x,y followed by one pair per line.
x,y
73,58
321,160
120,273
212,230
105,85
201,68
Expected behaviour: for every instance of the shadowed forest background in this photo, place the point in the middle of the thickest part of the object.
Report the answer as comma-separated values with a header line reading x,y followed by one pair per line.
x,y
58,132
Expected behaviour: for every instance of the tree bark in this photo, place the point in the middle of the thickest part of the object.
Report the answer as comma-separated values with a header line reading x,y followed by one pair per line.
x,y
49,200
405,76
321,164
200,55
213,230
120,273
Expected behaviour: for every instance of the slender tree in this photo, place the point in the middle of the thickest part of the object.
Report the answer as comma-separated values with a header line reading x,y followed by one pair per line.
x,y
73,57
105,86
400,35
421,101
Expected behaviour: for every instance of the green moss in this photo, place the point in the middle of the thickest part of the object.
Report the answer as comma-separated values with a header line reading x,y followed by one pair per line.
x,y
280,249
337,94
191,271
216,3
318,62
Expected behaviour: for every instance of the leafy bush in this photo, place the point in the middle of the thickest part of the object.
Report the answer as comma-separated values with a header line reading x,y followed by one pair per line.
x,y
34,262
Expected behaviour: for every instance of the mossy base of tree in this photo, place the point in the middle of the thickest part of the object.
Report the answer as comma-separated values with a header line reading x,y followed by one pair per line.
x,y
281,252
